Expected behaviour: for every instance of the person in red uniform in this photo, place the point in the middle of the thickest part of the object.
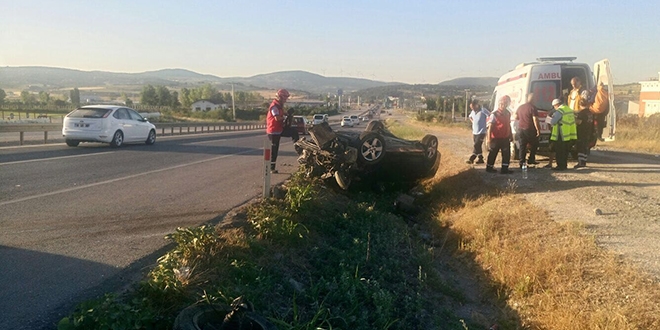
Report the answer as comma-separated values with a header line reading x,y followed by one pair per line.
x,y
499,136
275,125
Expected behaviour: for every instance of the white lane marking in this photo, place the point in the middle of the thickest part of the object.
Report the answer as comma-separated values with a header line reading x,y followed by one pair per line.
x,y
124,178
54,158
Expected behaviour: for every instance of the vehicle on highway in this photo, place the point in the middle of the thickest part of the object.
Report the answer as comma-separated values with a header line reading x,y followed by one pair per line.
x,y
107,123
375,153
346,122
550,78
319,118
355,119
300,123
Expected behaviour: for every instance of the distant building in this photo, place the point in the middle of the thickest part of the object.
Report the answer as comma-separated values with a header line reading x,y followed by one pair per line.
x,y
206,105
649,97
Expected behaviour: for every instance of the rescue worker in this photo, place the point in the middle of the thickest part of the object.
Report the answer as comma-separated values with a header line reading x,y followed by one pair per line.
x,y
528,131
275,126
575,95
499,136
563,132
600,108
584,121
478,117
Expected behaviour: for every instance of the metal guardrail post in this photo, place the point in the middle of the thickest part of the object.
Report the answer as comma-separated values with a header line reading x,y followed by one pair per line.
x,y
21,140
45,137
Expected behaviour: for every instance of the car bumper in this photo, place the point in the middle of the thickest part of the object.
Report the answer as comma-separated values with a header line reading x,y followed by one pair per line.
x,y
90,136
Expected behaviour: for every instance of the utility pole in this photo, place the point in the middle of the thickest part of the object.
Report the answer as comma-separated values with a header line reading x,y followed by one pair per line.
x,y
466,103
233,104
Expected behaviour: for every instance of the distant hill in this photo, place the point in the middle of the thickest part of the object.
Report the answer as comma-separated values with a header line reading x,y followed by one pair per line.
x,y
471,81
48,78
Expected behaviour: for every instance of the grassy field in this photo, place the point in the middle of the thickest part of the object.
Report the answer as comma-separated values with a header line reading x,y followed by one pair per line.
x,y
468,257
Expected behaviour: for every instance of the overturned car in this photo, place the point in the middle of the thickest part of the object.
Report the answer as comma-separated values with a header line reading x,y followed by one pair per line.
x,y
374,153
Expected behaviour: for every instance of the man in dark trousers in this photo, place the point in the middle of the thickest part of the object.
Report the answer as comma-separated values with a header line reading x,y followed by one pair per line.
x,y
499,136
564,132
275,125
479,118
528,131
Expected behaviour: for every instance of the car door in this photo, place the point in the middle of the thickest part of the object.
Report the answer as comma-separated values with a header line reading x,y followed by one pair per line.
x,y
140,126
603,74
125,123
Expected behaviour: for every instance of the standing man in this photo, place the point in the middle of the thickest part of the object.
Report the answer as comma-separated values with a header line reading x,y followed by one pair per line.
x,y
499,136
528,130
563,132
584,121
478,117
275,125
575,95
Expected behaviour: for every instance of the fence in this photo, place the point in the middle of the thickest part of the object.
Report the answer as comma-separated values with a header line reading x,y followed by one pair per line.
x,y
162,129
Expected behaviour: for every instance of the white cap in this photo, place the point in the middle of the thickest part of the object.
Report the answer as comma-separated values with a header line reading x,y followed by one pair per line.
x,y
556,101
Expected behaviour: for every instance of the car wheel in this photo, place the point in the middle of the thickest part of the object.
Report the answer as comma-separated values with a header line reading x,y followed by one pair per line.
x,y
375,126
343,180
151,139
372,148
117,139
430,142
72,143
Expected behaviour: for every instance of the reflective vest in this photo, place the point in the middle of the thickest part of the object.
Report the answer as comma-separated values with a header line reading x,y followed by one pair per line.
x,y
566,126
272,125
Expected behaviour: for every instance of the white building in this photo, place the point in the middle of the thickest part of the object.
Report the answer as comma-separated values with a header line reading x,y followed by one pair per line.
x,y
649,97
206,105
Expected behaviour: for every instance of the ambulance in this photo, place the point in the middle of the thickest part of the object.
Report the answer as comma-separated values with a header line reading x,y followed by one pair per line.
x,y
550,78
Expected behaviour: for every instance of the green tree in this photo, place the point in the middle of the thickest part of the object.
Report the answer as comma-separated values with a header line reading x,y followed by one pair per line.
x,y
44,97
74,95
148,95
163,96
28,98
3,95
431,104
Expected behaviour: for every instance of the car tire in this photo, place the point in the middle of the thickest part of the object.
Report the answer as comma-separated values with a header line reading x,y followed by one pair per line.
x,y
117,139
375,126
430,143
151,139
72,143
343,179
371,149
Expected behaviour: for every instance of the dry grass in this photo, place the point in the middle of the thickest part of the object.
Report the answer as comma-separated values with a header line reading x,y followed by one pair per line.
x,y
553,275
636,139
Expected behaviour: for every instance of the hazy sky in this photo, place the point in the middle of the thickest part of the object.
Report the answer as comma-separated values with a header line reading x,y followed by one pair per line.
x,y
407,41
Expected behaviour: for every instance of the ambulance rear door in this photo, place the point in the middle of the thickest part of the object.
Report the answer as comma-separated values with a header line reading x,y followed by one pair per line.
x,y
603,74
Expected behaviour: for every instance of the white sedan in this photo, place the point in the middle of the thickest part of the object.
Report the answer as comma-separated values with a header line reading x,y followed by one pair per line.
x,y
346,121
107,123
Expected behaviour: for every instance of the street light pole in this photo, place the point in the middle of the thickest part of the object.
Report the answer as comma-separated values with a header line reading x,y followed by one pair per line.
x,y
233,104
466,103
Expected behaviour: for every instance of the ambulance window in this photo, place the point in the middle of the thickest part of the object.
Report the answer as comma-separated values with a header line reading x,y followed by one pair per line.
x,y
544,93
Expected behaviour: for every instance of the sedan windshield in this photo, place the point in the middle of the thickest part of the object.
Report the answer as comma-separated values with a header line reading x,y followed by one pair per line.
x,y
89,113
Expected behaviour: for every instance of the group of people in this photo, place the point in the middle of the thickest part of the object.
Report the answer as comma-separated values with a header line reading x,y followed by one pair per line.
x,y
573,123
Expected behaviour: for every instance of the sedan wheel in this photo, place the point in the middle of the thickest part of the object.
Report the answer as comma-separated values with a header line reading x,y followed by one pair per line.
x,y
372,148
72,143
117,139
431,144
151,139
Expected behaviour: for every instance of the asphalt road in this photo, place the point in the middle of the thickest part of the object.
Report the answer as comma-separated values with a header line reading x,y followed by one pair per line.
x,y
78,222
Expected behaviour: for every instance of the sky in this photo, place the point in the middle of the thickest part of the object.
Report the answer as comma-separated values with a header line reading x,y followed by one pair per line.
x,y
418,42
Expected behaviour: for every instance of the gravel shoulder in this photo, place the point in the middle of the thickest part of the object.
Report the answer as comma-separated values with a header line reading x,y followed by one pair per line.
x,y
616,198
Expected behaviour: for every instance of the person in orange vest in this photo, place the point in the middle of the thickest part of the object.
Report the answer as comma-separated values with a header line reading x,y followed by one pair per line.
x,y
499,136
275,126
